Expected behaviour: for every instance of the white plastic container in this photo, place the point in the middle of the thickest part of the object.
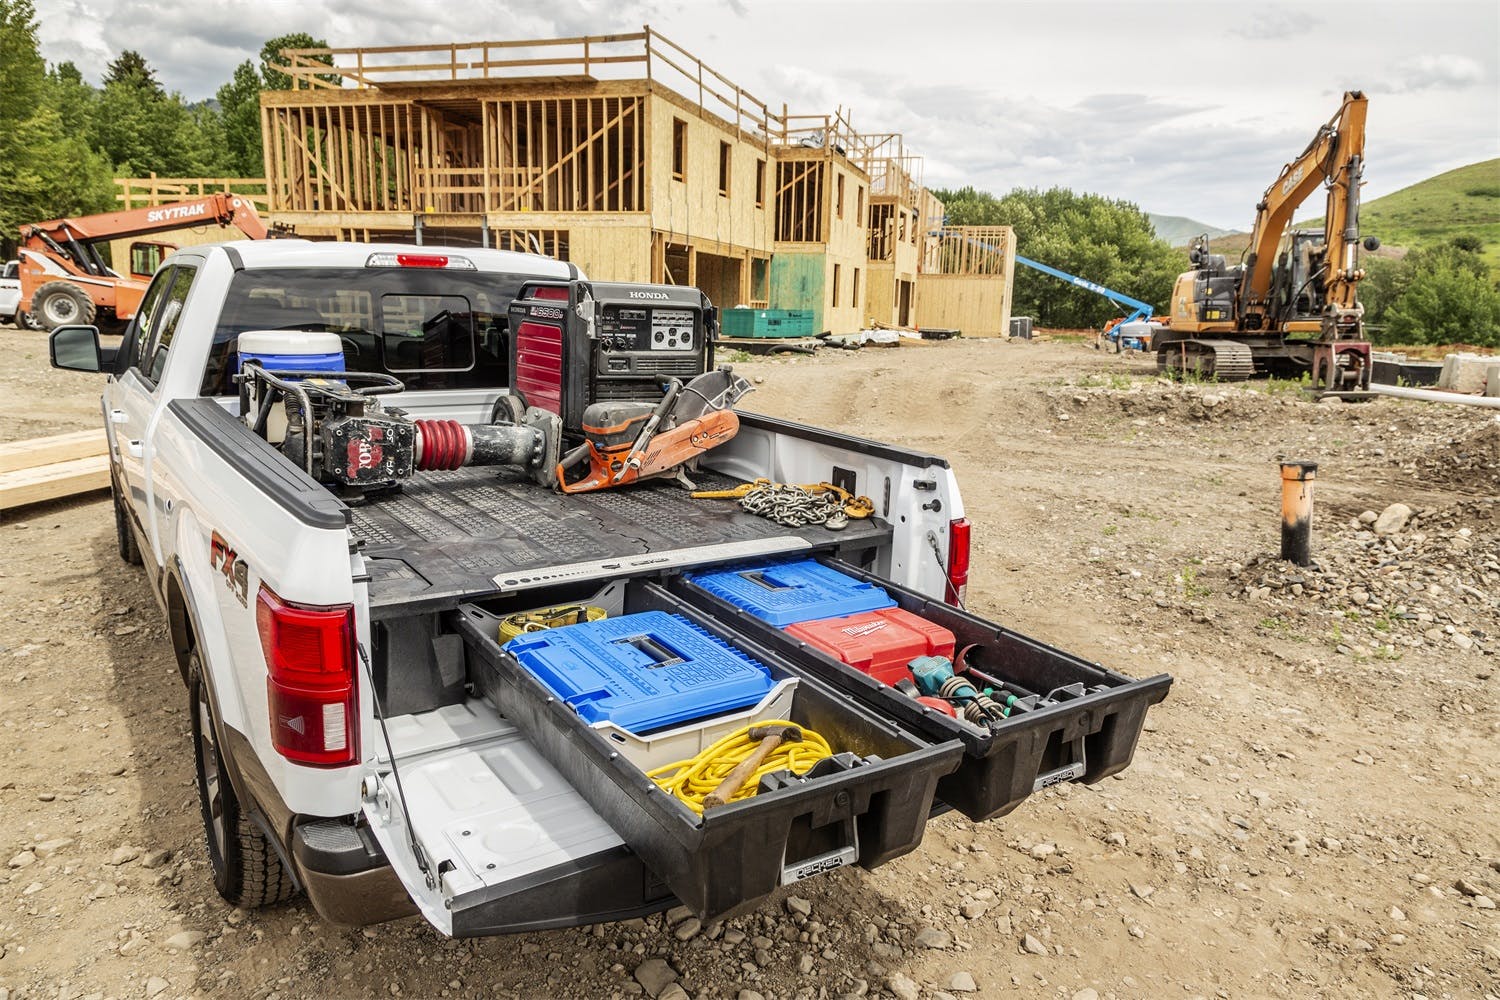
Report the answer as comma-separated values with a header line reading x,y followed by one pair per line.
x,y
287,350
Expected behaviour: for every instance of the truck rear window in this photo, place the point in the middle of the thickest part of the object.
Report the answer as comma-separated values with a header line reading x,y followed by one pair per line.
x,y
432,329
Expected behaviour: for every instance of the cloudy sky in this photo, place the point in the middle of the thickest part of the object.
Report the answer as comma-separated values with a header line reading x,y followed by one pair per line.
x,y
1186,108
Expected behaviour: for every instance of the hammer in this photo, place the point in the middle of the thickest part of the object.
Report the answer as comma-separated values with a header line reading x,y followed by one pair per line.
x,y
770,738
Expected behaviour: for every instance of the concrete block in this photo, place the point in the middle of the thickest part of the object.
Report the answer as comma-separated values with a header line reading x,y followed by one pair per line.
x,y
1465,372
1492,382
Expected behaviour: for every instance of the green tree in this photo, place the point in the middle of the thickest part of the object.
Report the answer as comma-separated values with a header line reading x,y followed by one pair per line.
x,y
46,167
271,58
1447,297
131,69
22,73
239,108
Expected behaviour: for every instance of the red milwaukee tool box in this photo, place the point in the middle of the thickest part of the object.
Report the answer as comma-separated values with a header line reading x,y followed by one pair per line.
x,y
879,643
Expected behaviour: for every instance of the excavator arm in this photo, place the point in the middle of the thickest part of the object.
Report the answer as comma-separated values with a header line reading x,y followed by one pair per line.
x,y
1335,157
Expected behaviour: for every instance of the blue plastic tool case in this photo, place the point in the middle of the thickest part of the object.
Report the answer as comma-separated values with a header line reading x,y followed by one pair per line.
x,y
642,671
786,593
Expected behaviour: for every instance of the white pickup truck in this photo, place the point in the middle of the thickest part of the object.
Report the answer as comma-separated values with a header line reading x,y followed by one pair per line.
x,y
360,733
10,290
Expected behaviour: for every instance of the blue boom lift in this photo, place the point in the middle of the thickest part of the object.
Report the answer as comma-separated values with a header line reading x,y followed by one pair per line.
x,y
1116,334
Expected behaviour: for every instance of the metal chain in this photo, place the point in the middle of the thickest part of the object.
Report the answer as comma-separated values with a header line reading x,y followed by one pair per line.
x,y
793,506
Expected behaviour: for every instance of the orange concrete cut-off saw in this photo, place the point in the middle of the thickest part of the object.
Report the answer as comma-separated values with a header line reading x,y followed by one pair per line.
x,y
625,442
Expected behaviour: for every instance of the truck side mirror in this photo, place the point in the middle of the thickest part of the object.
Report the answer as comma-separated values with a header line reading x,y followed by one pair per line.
x,y
76,348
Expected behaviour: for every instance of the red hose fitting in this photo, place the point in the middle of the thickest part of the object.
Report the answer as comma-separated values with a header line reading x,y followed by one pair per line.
x,y
441,445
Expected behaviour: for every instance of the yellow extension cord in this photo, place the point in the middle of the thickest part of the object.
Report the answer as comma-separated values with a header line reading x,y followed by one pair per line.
x,y
693,779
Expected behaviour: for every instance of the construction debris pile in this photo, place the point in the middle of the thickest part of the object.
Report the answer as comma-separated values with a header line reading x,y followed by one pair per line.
x,y
1401,578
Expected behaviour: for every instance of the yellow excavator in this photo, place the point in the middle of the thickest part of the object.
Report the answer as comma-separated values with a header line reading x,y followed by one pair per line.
x,y
1289,308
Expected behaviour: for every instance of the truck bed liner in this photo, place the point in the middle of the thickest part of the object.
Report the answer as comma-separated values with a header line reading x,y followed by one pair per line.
x,y
447,535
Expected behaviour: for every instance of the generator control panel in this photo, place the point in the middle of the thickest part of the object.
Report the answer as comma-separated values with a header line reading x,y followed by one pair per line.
x,y
643,328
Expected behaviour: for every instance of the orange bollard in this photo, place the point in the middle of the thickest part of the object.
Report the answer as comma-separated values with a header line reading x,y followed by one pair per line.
x,y
1296,511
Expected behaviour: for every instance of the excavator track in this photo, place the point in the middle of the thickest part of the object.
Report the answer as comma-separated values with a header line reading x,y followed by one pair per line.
x,y
1225,360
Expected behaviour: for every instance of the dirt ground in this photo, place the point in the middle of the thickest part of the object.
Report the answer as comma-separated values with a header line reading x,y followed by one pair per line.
x,y
1312,811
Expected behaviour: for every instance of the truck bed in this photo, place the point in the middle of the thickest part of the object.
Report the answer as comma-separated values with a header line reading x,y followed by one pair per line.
x,y
472,531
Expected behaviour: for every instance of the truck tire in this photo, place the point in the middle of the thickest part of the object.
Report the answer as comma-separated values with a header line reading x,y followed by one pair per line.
x,y
246,868
61,303
26,321
130,551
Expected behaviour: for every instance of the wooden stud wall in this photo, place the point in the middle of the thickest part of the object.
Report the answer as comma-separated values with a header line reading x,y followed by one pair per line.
x,y
361,157
565,154
799,201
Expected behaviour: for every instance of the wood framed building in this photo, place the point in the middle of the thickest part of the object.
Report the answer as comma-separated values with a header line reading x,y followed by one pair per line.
x,y
966,280
623,154
893,245
821,197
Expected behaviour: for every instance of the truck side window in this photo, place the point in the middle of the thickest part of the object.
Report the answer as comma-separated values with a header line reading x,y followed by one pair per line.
x,y
168,315
145,317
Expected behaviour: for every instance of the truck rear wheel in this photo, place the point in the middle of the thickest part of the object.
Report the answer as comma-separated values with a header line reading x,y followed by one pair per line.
x,y
27,321
61,303
247,870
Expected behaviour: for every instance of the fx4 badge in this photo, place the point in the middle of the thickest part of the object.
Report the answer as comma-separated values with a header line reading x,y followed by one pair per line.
x,y
228,562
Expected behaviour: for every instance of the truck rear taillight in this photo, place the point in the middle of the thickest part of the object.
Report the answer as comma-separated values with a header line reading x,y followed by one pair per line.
x,y
958,561
310,692
556,293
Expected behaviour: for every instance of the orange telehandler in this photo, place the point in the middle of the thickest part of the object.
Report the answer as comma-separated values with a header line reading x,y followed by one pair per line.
x,y
64,279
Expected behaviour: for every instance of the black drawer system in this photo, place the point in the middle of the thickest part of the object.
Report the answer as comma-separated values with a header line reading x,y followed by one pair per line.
x,y
1088,731
902,761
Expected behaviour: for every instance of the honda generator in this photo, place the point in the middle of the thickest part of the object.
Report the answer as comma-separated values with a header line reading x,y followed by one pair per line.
x,y
581,342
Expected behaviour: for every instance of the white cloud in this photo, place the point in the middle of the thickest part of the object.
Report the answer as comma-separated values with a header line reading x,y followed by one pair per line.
x,y
1438,71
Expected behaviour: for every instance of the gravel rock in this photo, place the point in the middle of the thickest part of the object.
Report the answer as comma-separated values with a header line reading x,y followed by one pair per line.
x,y
688,929
1032,946
903,987
1087,993
47,848
963,982
748,995
124,855
1392,519
155,859
796,904
155,985
1040,851
931,937
655,975
183,940
23,860
673,992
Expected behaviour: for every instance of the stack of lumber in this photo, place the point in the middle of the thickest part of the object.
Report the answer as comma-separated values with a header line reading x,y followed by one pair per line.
x,y
51,467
